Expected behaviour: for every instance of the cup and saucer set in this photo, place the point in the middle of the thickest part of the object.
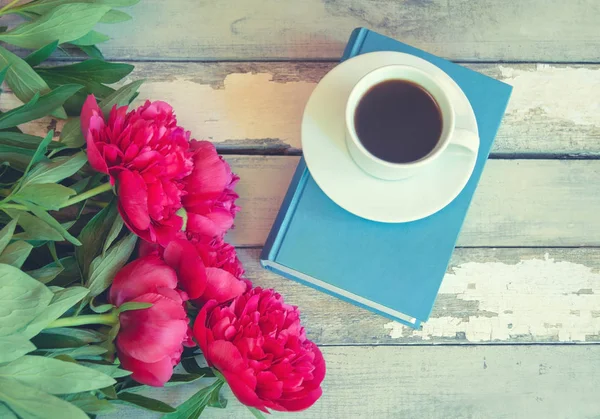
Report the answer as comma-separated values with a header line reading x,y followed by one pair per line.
x,y
342,143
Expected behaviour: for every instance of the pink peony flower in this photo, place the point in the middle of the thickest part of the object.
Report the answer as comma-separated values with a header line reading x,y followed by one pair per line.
x,y
147,157
209,196
260,347
206,271
150,341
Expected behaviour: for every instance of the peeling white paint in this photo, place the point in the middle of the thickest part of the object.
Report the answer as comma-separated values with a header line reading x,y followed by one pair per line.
x,y
533,300
250,106
562,93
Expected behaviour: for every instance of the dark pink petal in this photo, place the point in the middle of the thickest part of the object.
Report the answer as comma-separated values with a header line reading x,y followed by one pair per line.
x,y
203,226
222,286
183,257
152,333
167,230
211,174
268,386
154,374
133,199
94,157
139,277
302,403
89,109
201,333
147,248
244,393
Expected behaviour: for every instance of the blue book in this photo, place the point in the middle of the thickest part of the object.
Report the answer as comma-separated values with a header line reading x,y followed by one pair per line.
x,y
392,269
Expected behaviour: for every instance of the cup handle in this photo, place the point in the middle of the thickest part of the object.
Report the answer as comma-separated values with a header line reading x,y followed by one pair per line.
x,y
465,139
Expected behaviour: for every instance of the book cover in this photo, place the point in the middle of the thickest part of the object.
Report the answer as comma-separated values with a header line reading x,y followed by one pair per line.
x,y
392,269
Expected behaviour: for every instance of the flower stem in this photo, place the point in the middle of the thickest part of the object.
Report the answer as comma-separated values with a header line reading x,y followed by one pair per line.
x,y
105,187
8,6
109,319
15,206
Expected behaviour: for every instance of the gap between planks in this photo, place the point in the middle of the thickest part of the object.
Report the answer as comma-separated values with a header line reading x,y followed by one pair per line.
x,y
313,29
257,107
488,296
438,382
518,203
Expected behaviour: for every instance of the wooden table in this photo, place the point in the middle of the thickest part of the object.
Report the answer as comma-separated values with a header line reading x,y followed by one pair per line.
x,y
516,327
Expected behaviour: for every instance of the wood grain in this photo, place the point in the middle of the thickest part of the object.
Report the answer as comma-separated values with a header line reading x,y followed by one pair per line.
x,y
483,30
517,203
440,382
257,107
487,296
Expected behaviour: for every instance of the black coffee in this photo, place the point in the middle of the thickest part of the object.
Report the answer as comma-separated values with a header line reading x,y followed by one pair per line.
x,y
398,121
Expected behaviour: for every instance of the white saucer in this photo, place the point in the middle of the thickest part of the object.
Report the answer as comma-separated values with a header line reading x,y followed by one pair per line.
x,y
330,164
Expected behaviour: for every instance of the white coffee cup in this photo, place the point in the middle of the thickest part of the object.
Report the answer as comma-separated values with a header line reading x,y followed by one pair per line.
x,y
450,135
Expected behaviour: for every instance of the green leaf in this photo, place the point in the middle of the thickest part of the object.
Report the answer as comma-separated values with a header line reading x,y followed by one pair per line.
x,y
132,305
21,78
50,196
144,402
56,169
113,233
6,234
28,402
121,97
13,347
193,407
82,352
109,392
45,274
67,337
217,400
70,273
71,135
43,106
43,6
3,73
6,413
91,51
257,413
39,56
40,151
15,157
102,308
29,142
104,268
54,376
12,118
65,23
175,380
191,366
35,229
48,219
92,237
16,253
61,302
22,299
111,370
90,403
115,16
96,70
91,38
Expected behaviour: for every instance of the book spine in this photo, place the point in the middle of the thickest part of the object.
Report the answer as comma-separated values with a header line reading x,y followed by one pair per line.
x,y
354,43
279,228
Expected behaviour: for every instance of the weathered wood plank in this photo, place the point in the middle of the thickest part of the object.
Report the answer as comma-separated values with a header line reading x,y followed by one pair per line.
x,y
257,107
487,30
517,203
487,296
440,382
